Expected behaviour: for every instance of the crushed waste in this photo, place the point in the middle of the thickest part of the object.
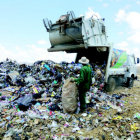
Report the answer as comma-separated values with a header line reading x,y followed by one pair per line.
x,y
31,105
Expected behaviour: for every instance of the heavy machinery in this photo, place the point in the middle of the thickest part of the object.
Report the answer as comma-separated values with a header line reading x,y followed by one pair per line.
x,y
87,37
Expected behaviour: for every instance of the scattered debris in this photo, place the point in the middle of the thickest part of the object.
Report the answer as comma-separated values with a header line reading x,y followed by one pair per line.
x,y
31,105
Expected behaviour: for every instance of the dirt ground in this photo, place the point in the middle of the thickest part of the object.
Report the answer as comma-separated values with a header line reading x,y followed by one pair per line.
x,y
122,128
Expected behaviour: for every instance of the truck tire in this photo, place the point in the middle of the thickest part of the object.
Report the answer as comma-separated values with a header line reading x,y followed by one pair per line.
x,y
130,82
111,84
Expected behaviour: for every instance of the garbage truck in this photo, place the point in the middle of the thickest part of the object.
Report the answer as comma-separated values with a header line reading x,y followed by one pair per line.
x,y
88,37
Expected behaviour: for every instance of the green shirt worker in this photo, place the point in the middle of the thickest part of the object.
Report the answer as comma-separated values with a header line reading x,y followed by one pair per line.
x,y
84,81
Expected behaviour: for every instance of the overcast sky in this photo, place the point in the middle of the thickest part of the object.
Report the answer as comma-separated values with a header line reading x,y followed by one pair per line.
x,y
23,37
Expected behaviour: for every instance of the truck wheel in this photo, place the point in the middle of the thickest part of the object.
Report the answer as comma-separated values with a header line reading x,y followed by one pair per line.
x,y
130,82
111,84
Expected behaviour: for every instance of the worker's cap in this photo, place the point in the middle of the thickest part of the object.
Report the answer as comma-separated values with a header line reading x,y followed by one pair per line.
x,y
84,60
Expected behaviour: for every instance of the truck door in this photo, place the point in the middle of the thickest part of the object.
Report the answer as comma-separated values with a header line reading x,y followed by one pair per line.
x,y
132,66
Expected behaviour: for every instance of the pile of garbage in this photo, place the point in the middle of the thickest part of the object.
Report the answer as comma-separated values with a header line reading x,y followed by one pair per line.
x,y
31,104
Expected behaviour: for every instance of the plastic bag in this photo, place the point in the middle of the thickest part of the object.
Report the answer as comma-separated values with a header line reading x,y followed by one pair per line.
x,y
25,102
13,75
30,79
69,96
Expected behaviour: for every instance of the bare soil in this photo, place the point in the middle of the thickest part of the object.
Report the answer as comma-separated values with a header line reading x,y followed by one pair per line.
x,y
121,128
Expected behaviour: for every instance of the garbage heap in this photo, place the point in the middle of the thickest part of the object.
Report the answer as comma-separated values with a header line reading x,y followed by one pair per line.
x,y
31,106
